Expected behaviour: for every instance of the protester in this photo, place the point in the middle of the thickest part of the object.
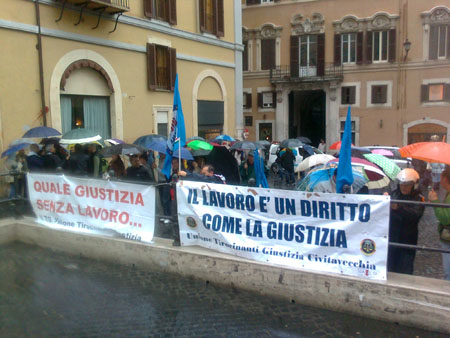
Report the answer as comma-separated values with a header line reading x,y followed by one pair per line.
x,y
94,166
116,166
34,161
17,166
137,171
144,162
164,189
322,145
247,170
206,175
404,220
287,161
443,216
78,161
51,160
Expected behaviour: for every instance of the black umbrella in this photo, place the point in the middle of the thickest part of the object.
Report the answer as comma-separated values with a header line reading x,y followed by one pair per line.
x,y
304,139
122,149
224,164
291,143
244,145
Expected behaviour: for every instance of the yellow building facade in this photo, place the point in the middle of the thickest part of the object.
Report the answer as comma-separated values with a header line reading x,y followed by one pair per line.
x,y
306,61
110,65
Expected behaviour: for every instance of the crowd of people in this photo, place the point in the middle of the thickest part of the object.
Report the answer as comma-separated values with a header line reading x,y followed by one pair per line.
x,y
416,185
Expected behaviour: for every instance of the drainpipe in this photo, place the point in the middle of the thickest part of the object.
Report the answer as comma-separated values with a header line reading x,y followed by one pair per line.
x,y
41,65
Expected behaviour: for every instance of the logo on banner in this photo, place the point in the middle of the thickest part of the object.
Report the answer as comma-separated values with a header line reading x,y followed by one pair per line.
x,y
368,247
191,222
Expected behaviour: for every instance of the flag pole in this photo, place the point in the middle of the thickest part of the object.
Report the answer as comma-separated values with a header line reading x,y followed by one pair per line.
x,y
179,156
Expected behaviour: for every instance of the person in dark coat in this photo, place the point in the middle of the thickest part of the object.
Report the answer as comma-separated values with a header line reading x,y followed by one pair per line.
x,y
287,161
404,220
78,161
137,172
34,161
51,160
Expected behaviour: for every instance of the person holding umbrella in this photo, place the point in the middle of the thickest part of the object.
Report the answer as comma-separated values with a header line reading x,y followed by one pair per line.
x,y
34,160
116,165
443,216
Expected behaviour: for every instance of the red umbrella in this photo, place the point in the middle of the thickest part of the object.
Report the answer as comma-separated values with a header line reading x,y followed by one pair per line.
x,y
435,152
337,145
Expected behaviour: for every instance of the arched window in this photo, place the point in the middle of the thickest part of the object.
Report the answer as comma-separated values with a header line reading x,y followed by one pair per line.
x,y
85,98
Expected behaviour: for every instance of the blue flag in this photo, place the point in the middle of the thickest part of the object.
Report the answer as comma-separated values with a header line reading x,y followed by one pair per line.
x,y
261,180
177,136
345,173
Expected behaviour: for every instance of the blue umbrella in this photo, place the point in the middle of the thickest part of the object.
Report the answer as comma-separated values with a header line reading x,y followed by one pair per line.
x,y
144,141
21,140
40,132
12,149
325,173
159,146
185,154
224,137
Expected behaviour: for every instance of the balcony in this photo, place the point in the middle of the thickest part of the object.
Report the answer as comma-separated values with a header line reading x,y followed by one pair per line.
x,y
107,6
298,73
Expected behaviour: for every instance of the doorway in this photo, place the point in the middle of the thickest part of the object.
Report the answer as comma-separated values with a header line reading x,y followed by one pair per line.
x,y
307,115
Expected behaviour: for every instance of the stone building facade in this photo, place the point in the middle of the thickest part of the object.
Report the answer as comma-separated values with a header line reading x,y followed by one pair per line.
x,y
306,61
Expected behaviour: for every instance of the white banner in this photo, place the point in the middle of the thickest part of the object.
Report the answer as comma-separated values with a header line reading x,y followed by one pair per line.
x,y
345,234
94,206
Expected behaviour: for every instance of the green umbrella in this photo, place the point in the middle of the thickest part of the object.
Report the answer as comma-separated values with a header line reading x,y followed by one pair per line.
x,y
390,168
80,135
199,144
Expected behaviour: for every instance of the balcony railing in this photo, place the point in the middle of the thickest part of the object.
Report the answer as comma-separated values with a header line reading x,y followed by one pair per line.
x,y
109,6
299,73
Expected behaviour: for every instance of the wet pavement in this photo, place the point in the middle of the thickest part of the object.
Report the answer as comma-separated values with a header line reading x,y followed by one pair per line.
x,y
44,293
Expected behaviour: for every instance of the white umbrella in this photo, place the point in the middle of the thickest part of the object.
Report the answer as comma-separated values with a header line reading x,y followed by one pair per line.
x,y
314,160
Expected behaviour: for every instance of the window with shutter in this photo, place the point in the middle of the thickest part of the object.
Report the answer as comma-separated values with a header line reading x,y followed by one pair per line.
x,y
349,48
379,94
161,67
348,95
211,17
267,54
439,42
260,100
267,100
447,92
380,46
165,10
436,92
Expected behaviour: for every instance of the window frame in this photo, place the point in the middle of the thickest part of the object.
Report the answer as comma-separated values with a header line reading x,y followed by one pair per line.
x,y
370,84
349,51
152,67
273,65
348,95
380,47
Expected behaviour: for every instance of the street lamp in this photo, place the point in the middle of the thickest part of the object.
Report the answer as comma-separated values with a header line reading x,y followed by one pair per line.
x,y
407,46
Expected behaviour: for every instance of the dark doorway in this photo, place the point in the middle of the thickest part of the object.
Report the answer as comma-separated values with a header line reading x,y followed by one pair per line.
x,y
307,115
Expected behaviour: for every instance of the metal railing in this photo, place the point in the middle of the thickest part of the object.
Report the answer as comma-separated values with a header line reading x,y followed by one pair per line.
x,y
297,73
118,3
